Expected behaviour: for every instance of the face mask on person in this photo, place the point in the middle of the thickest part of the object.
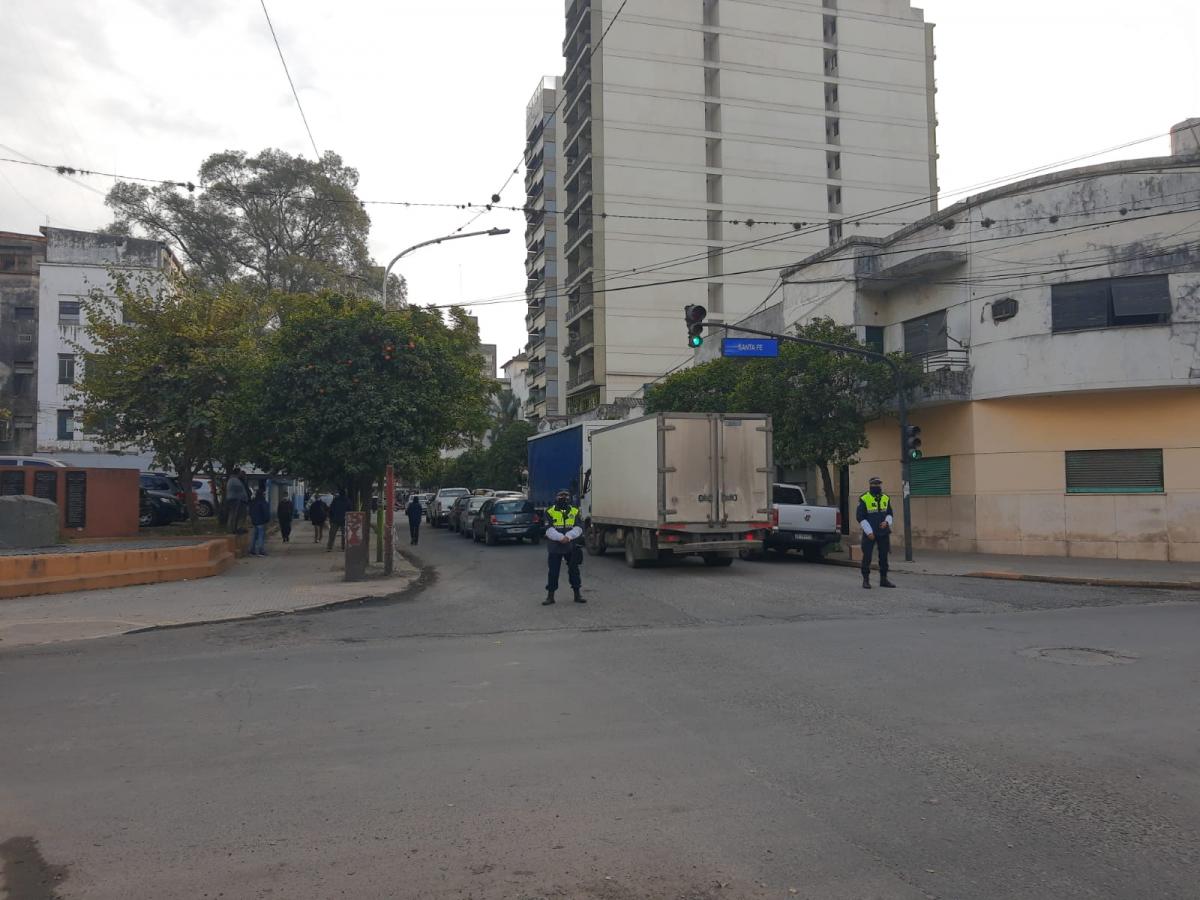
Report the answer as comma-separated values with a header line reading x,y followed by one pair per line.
x,y
563,504
876,490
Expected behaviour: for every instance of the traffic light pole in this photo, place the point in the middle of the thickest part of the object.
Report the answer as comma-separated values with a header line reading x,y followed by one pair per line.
x,y
898,377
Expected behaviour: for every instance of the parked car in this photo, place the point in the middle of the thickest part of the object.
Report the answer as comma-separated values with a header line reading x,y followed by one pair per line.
x,y
41,461
163,483
439,507
454,518
159,508
809,529
507,519
205,504
466,518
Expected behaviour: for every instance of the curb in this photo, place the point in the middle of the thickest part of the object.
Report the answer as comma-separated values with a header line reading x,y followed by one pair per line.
x,y
1046,579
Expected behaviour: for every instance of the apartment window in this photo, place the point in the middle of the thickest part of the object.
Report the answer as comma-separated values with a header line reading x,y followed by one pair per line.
x,y
831,97
712,153
5,431
831,62
24,313
712,48
835,231
714,224
835,199
926,334
711,13
833,131
1110,303
712,116
833,164
712,82
714,261
68,312
873,338
66,368
1114,471
716,298
930,477
66,424
830,29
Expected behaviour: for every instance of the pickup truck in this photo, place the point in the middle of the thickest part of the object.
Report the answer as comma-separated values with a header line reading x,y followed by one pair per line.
x,y
809,529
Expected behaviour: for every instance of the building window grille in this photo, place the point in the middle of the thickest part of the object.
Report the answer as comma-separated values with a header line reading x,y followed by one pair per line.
x,y
1114,471
930,476
68,312
1110,303
66,368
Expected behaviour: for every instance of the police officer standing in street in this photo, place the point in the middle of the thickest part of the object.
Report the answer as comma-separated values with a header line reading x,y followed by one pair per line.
x,y
875,518
562,536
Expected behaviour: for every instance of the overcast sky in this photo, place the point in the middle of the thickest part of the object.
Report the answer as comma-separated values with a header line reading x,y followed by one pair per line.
x,y
426,98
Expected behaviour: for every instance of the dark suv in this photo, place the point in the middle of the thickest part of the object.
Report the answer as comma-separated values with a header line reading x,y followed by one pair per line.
x,y
507,519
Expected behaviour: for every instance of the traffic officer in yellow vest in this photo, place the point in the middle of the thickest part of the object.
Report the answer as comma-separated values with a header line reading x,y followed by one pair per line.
x,y
562,536
875,518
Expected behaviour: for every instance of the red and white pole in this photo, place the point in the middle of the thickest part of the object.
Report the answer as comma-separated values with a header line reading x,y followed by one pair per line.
x,y
389,533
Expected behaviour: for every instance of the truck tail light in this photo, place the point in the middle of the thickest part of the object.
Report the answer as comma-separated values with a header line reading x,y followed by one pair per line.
x,y
668,537
752,535
839,520
773,518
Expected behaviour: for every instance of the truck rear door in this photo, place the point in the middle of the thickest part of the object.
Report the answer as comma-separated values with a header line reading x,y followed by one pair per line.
x,y
744,458
688,470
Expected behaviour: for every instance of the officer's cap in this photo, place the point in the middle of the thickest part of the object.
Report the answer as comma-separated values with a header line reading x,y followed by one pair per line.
x,y
875,479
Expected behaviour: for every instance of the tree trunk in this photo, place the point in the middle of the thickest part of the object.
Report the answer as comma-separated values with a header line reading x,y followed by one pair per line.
x,y
218,490
827,484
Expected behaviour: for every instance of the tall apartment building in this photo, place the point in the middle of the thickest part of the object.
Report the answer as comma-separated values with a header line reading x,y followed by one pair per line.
x,y
21,256
696,126
544,234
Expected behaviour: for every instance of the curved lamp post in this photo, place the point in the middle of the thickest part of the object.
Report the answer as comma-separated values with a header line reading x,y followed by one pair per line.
x,y
447,237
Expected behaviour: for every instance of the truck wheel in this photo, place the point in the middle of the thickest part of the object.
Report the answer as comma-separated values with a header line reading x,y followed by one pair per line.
x,y
593,539
814,554
751,554
631,557
716,560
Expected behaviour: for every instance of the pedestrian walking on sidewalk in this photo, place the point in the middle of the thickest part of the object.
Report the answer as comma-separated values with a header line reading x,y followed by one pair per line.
x,y
236,498
414,513
318,513
562,542
260,517
874,516
284,512
337,519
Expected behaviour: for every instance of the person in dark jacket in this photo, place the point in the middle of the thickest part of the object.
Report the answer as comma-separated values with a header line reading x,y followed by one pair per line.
x,y
337,519
874,516
318,513
284,511
562,538
414,513
260,517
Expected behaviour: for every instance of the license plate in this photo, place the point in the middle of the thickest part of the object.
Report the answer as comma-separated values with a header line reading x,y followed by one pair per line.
x,y
797,536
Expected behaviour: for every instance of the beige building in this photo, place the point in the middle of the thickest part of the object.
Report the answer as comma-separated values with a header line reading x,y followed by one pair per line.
x,y
1058,320
704,138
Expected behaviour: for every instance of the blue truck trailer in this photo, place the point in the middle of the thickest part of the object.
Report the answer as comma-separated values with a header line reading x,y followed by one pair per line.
x,y
558,460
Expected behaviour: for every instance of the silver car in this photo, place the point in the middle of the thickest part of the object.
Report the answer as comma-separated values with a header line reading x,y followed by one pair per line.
x,y
466,519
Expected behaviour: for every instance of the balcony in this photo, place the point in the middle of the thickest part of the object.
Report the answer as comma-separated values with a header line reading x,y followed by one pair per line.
x,y
583,379
536,396
536,368
536,340
579,21
581,301
948,375
535,319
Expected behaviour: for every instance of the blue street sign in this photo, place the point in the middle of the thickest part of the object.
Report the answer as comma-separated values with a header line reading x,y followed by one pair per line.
x,y
749,347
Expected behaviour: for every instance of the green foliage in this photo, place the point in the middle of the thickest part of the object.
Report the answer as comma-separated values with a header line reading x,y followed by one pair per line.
x,y
169,356
498,466
274,221
820,400
349,387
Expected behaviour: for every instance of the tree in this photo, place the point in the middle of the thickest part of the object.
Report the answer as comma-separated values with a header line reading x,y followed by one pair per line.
x,y
820,400
162,363
506,409
275,221
349,387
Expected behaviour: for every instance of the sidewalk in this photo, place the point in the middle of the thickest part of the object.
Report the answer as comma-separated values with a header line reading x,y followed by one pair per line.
x,y
1061,570
294,577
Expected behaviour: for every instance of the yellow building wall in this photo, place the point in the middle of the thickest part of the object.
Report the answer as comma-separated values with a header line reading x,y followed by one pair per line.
x,y
1008,475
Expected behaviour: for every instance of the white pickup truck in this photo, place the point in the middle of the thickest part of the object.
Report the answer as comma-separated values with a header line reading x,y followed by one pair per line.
x,y
809,529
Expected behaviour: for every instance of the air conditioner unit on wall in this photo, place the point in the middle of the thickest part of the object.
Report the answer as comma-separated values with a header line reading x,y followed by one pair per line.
x,y
1004,309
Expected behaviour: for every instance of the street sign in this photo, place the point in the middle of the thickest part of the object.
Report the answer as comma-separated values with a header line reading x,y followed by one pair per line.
x,y
750,347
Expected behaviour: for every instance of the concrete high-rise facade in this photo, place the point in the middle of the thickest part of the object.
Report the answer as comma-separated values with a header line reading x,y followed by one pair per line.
x,y
704,138
544,232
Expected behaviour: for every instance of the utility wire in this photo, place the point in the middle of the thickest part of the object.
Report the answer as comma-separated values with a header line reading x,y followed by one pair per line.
x,y
299,105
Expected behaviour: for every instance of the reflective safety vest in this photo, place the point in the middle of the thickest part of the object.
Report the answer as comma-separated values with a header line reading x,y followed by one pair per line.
x,y
560,519
883,504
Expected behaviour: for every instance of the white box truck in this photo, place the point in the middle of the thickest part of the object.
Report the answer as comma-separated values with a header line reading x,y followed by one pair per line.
x,y
679,484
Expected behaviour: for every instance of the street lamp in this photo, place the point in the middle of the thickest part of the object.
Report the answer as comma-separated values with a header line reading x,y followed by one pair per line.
x,y
448,237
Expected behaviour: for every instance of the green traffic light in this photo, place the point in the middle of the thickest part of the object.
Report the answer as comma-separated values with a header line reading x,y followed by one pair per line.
x,y
915,454
696,340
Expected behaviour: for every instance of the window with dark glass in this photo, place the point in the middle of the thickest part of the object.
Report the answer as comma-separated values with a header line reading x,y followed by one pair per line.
x,y
66,425
68,312
874,338
926,334
1110,303
66,368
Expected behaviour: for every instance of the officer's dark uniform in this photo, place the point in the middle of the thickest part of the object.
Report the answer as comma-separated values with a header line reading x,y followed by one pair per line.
x,y
562,521
875,516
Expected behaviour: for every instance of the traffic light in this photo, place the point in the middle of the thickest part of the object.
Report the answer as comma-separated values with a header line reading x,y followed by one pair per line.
x,y
694,316
912,441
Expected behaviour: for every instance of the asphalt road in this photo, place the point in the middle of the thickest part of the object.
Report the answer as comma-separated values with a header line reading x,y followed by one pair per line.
x,y
768,730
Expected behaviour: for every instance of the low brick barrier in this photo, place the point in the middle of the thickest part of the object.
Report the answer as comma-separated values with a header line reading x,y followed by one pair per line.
x,y
58,573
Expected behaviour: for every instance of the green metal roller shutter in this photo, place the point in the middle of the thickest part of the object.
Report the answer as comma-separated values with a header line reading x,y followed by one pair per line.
x,y
930,477
1114,472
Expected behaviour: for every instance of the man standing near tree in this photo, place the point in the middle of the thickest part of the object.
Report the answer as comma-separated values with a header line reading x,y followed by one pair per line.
x,y
337,519
236,499
874,516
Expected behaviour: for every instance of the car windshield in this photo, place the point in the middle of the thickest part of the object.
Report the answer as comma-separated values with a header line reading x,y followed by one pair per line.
x,y
454,492
790,495
477,502
513,506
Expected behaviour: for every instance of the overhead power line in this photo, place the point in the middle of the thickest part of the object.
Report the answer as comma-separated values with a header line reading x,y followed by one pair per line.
x,y
291,84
